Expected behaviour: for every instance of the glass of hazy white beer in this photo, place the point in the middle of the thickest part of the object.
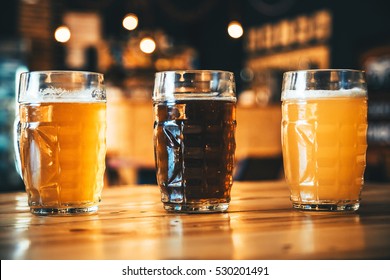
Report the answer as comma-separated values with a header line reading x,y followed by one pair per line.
x,y
324,127
60,140
194,139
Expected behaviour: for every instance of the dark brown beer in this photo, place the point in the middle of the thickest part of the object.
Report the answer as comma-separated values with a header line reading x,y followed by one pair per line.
x,y
194,150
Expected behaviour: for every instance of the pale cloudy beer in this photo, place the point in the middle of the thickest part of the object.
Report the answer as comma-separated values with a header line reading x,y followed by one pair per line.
x,y
324,127
62,146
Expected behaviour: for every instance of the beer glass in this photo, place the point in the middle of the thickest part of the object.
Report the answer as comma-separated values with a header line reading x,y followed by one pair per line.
x,y
324,127
60,140
194,139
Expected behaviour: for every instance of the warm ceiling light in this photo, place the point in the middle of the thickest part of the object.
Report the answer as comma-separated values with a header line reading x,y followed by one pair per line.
x,y
62,34
147,45
235,29
130,22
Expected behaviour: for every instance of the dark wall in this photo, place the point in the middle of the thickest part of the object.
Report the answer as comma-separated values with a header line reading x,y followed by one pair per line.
x,y
8,19
358,26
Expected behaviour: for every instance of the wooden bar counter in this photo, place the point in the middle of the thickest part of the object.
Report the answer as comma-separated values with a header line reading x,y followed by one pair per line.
x,y
260,224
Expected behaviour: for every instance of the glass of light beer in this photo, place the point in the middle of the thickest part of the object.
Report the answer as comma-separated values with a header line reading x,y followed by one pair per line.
x,y
60,140
194,139
324,127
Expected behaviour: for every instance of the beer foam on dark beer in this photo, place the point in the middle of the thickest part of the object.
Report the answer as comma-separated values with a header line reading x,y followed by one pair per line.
x,y
194,96
314,94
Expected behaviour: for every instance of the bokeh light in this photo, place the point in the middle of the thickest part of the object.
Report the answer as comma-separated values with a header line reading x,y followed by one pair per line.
x,y
235,29
62,34
130,22
147,45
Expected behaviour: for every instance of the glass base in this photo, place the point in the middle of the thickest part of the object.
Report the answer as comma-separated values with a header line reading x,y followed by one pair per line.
x,y
64,211
327,206
196,208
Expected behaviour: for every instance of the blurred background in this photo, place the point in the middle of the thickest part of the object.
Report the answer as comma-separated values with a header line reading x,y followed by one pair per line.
x,y
258,40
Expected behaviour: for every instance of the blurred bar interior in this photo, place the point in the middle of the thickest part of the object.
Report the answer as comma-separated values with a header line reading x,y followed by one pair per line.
x,y
129,40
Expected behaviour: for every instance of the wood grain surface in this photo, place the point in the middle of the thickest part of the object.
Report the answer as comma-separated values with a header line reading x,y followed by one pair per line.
x,y
260,224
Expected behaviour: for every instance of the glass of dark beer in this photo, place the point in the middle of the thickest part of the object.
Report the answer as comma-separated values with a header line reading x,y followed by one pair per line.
x,y
194,139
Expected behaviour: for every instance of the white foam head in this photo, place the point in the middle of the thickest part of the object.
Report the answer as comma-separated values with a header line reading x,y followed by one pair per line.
x,y
62,95
320,94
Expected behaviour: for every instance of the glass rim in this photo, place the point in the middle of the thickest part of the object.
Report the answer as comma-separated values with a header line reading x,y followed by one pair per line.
x,y
61,86
193,84
62,72
323,83
195,71
325,70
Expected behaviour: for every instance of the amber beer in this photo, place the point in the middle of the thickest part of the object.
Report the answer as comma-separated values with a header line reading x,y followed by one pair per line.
x,y
324,147
60,140
62,153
